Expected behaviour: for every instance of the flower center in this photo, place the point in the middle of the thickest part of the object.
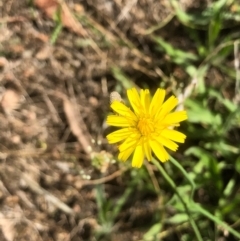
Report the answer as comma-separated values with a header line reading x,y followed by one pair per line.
x,y
145,126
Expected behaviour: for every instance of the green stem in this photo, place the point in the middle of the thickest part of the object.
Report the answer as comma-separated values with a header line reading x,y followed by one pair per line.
x,y
205,213
179,166
197,208
174,187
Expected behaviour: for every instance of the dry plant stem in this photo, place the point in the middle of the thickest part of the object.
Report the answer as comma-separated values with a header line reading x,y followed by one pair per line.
x,y
52,109
125,11
113,39
135,51
104,87
12,19
8,224
75,121
83,31
30,152
237,223
22,153
143,69
74,24
186,93
3,188
39,190
90,221
75,125
168,232
217,50
104,179
159,25
237,69
153,177
22,195
174,187
189,89
100,28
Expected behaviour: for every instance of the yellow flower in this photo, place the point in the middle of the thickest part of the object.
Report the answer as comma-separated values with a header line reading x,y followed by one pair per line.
x,y
149,127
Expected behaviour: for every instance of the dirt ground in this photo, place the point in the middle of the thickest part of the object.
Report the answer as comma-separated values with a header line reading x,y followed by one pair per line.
x,y
54,100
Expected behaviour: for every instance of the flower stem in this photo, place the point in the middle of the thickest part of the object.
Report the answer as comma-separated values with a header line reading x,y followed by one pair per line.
x,y
174,187
179,166
218,221
197,208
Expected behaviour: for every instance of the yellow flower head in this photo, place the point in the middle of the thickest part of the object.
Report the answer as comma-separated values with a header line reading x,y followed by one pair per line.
x,y
149,127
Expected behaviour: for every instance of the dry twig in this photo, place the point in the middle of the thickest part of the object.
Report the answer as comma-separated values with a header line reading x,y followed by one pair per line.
x,y
39,190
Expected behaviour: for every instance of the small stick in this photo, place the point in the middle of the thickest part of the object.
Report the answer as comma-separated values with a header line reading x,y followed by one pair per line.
x,y
237,69
39,190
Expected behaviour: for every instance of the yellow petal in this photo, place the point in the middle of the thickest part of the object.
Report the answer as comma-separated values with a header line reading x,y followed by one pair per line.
x,y
157,101
167,107
175,117
123,110
132,140
145,100
166,142
159,150
124,155
134,100
138,157
148,128
118,135
147,150
173,135
120,121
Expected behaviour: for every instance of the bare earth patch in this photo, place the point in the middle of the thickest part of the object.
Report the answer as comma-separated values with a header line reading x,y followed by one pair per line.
x,y
54,99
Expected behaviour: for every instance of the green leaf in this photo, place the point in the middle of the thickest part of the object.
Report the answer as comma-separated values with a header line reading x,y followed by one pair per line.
x,y
178,218
213,30
177,56
122,77
229,188
197,113
237,165
226,102
152,232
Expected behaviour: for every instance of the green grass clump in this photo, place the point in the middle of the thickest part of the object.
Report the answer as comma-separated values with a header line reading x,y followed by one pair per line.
x,y
202,186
